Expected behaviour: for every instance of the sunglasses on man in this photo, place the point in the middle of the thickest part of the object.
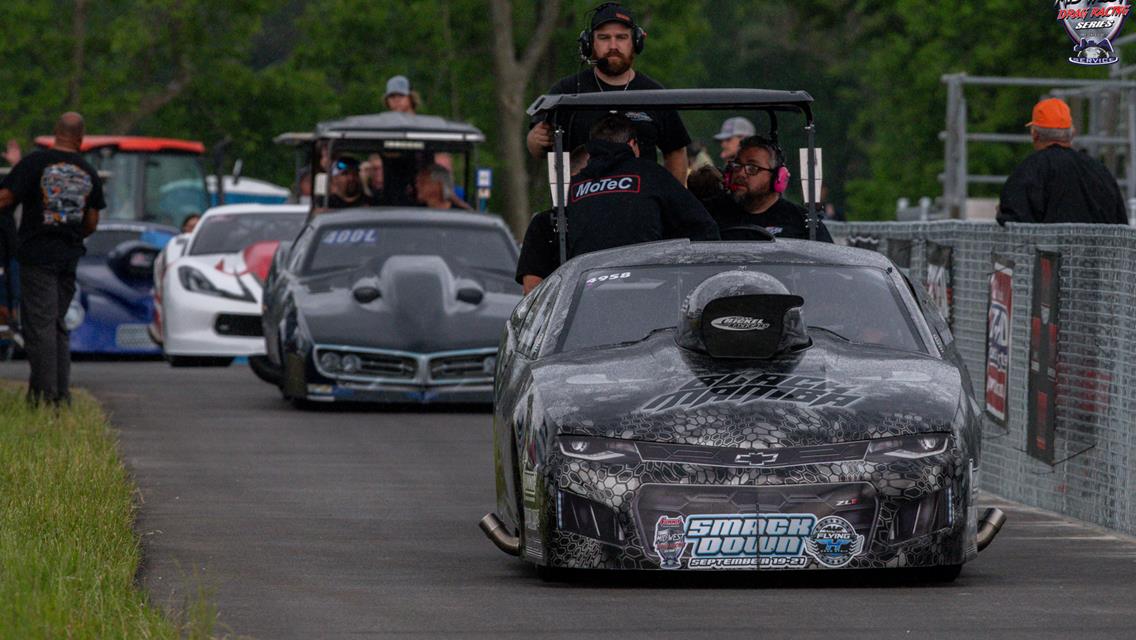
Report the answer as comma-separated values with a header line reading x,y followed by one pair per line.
x,y
750,169
343,166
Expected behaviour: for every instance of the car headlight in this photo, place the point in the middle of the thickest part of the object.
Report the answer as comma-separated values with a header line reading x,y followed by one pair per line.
x,y
75,313
330,362
599,449
351,363
908,447
195,281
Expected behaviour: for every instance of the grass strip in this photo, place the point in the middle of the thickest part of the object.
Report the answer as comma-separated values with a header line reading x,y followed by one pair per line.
x,y
68,552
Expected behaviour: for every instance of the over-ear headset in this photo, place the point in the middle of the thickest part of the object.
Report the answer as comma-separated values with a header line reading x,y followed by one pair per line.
x,y
638,35
781,173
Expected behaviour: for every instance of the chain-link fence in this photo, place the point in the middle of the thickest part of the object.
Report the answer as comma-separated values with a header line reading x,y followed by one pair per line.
x,y
1093,475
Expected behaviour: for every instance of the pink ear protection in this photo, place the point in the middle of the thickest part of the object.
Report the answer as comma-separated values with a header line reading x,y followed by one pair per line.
x,y
781,179
781,174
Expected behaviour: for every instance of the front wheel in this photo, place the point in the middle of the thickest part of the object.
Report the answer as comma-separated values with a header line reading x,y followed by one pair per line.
x,y
264,369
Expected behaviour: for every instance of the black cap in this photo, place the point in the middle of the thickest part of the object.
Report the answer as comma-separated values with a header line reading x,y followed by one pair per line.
x,y
612,13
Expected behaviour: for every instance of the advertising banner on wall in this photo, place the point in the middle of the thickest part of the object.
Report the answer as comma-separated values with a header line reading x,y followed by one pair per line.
x,y
939,278
1042,400
998,333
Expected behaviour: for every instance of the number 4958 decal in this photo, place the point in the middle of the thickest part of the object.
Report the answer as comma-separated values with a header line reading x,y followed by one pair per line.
x,y
612,276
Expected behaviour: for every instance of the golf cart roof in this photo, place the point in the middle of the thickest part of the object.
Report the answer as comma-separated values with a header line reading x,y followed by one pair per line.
x,y
393,125
295,138
679,99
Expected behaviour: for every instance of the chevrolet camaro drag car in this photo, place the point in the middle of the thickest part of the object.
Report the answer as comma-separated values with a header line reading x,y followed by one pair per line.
x,y
114,281
208,302
734,405
391,305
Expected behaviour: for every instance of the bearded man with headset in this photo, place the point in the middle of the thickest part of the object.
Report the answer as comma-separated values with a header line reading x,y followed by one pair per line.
x,y
756,179
611,43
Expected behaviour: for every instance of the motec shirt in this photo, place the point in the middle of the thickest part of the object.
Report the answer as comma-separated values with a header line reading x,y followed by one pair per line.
x,y
55,188
619,199
1059,184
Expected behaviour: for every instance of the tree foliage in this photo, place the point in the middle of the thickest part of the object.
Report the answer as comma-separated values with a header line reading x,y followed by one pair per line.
x,y
250,69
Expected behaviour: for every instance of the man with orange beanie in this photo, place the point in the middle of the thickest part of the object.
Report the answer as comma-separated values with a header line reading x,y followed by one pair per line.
x,y
1057,183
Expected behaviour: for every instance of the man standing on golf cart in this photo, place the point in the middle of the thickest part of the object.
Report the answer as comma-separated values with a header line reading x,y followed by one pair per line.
x,y
611,43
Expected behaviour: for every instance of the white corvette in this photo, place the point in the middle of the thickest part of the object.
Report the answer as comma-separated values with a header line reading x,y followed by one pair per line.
x,y
208,283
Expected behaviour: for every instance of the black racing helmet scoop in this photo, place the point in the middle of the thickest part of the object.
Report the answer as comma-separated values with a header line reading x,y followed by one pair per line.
x,y
742,314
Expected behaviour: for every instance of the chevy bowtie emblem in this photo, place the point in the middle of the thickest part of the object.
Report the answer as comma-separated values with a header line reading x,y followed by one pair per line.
x,y
756,459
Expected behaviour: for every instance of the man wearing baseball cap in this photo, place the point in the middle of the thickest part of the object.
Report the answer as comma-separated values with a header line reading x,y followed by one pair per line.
x,y
609,46
734,130
399,97
1057,183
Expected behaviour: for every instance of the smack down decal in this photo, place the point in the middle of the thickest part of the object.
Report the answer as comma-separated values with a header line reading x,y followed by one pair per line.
x,y
738,388
755,541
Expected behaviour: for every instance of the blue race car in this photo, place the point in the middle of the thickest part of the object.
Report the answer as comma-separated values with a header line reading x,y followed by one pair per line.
x,y
113,301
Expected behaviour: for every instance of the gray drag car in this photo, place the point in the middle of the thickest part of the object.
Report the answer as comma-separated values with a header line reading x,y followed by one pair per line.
x,y
390,305
735,405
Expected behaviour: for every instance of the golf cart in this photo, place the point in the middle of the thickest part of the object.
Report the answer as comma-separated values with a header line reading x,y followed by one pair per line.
x,y
559,109
405,142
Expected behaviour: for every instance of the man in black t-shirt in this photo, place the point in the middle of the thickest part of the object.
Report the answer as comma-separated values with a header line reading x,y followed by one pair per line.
x,y
619,199
1058,183
346,185
540,250
611,45
61,196
757,178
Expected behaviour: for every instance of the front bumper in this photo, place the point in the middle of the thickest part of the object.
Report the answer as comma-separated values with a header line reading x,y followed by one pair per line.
x,y
200,325
848,514
389,376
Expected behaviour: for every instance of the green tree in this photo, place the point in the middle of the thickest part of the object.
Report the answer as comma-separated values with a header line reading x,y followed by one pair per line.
x,y
907,47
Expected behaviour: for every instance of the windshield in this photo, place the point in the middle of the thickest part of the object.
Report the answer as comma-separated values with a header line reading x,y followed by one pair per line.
x,y
120,175
858,304
172,185
462,247
229,233
175,187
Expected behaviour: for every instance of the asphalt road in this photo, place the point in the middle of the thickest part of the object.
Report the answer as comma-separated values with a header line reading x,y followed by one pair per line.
x,y
335,524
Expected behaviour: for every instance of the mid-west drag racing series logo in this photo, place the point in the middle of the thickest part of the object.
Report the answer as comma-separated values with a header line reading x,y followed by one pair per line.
x,y
755,541
1093,25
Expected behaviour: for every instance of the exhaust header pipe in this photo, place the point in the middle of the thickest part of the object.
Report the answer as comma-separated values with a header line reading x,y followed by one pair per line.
x,y
494,529
989,526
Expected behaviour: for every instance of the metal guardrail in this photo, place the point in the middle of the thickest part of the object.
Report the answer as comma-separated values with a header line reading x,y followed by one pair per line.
x,y
1105,134
1094,478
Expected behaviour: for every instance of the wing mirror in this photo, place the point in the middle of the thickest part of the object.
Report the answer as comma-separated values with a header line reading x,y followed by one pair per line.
x,y
472,295
366,294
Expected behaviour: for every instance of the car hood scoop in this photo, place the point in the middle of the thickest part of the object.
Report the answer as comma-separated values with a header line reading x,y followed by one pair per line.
x,y
834,392
420,307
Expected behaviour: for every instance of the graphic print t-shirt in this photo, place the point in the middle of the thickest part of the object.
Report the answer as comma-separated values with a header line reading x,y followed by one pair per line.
x,y
55,188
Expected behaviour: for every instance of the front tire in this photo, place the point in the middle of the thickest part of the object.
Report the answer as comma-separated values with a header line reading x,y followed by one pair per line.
x,y
264,369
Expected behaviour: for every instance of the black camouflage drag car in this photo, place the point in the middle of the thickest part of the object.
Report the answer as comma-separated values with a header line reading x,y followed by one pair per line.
x,y
390,305
735,405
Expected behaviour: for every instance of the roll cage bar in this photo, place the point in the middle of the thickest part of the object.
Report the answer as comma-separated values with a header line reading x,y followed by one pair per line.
x,y
557,109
